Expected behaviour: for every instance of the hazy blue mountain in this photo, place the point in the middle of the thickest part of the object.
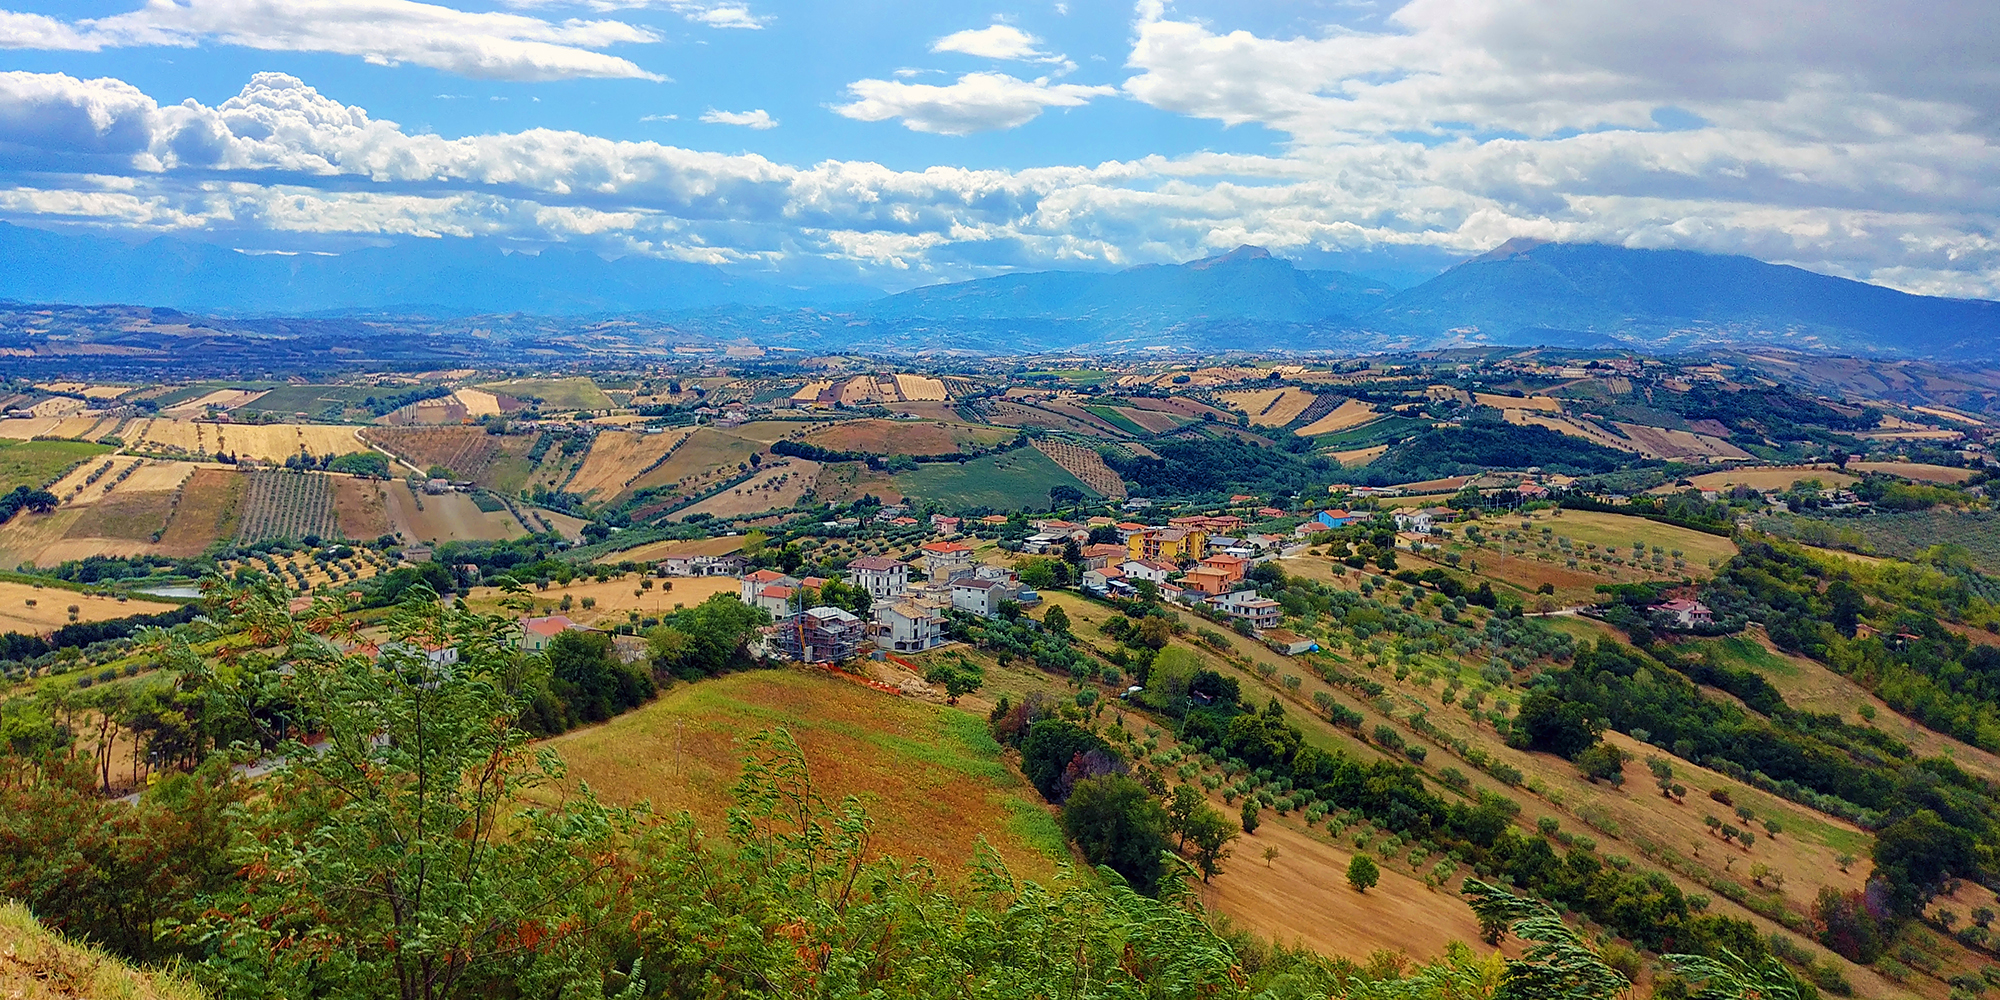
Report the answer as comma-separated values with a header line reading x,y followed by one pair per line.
x,y
1588,295
1246,284
441,276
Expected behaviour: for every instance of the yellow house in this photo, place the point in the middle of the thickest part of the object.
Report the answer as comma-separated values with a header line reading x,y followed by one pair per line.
x,y
1168,545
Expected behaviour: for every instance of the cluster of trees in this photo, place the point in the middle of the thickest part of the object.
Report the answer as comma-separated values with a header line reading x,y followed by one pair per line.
x,y
1202,466
37,501
1481,445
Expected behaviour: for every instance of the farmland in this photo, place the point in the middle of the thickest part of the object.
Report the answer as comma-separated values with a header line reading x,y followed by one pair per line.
x,y
618,458
556,395
310,400
287,505
931,777
708,455
359,510
777,485
1009,480
467,452
263,442
1351,413
38,463
1270,407
444,518
613,601
905,437
1085,464
32,610
204,510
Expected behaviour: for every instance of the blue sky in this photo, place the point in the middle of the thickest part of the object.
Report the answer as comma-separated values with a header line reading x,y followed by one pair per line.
x,y
899,142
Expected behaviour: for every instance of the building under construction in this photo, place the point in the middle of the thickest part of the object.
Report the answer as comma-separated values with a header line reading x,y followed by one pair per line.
x,y
819,635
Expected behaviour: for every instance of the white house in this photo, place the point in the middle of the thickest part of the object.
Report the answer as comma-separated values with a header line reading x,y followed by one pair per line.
x,y
881,578
1686,613
1260,612
1147,569
979,597
907,628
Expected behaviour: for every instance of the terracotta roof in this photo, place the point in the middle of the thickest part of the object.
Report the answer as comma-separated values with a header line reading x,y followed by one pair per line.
x,y
873,564
549,625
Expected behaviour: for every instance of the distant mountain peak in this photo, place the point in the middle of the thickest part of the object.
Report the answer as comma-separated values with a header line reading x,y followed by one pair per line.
x,y
1512,248
1242,253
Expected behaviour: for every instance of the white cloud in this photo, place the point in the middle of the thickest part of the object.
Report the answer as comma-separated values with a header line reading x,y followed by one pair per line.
x,y
726,14
978,102
758,119
488,45
997,41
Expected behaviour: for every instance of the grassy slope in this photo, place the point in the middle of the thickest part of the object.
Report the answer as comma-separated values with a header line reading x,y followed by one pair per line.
x,y
37,964
33,463
931,777
1007,481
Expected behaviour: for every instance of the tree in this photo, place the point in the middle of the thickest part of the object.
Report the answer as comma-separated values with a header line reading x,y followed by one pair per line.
x,y
1249,815
1186,802
1064,495
1117,824
957,675
1056,620
1916,856
412,850
1211,834
590,680
1603,762
1548,722
1362,873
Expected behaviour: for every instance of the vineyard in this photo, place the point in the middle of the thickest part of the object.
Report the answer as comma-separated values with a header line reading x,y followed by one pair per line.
x,y
287,505
469,452
1085,464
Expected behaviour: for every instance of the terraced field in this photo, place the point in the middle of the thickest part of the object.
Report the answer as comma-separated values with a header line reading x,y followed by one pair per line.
x,y
1085,464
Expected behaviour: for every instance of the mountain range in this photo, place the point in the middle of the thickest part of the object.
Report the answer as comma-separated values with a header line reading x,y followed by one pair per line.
x,y
1523,293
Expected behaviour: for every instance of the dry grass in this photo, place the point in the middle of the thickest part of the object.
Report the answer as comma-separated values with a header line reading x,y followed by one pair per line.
x,y
1360,456
1085,464
1545,404
1915,470
905,437
1771,479
1350,414
1656,442
617,458
447,517
206,512
1270,407
614,598
51,608
37,964
264,442
708,455
846,482
930,777
778,485
656,551
126,515
359,508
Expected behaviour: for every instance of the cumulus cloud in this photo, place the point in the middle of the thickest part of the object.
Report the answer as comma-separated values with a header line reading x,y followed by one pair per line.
x,y
727,14
488,45
1000,41
977,102
758,119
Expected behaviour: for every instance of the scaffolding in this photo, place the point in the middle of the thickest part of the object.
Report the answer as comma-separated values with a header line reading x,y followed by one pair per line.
x,y
820,635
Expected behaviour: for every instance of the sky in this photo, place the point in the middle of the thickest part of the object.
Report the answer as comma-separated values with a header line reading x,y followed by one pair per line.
x,y
901,143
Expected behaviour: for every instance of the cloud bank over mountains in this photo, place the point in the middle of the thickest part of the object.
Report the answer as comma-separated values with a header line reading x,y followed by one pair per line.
x,y
1856,139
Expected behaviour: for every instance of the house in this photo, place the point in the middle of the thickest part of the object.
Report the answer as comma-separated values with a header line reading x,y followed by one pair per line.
x,y
945,525
907,628
1288,642
944,560
1424,520
819,635
1171,545
881,578
1101,580
1044,542
980,597
1261,612
1532,491
1102,555
1269,512
536,632
1147,569
1206,580
1232,566
775,598
436,487
754,583
1685,613
1126,529
1330,519
702,565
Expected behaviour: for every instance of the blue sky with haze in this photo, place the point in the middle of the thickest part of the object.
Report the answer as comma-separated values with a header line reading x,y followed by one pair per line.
x,y
900,143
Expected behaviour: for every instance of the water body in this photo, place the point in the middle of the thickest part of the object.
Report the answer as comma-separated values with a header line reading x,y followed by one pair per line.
x,y
184,590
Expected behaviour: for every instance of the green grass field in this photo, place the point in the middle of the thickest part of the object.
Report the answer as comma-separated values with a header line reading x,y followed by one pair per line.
x,y
556,394
931,778
1118,420
308,399
1374,432
35,464
1010,480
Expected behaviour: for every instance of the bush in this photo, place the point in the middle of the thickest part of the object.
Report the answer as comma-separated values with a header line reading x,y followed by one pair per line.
x,y
1362,873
